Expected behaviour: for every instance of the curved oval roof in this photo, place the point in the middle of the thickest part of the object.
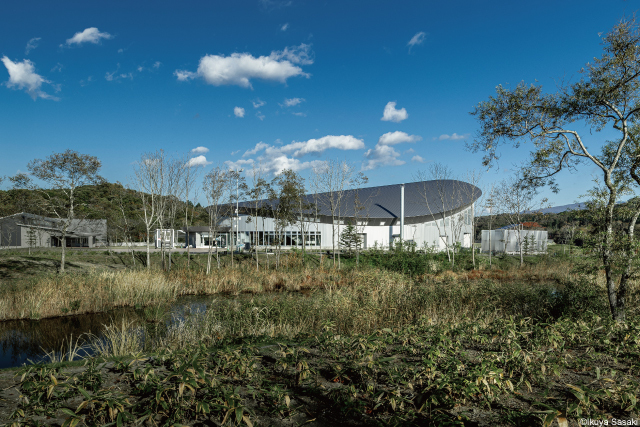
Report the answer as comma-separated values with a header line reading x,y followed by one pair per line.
x,y
423,198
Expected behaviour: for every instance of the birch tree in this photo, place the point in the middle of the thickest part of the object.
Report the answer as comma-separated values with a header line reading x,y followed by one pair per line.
x,y
606,96
258,191
215,185
150,184
514,199
332,179
64,172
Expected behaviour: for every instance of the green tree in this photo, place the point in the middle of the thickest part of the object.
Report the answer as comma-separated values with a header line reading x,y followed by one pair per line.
x,y
350,239
607,96
285,194
64,172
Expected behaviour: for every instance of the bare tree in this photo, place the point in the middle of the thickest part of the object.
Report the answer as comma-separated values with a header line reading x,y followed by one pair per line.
x,y
489,205
474,193
257,193
150,183
514,200
235,183
436,195
176,172
64,173
215,185
332,179
190,174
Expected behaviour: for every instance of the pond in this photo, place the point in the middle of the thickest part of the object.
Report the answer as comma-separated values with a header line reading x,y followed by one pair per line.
x,y
25,341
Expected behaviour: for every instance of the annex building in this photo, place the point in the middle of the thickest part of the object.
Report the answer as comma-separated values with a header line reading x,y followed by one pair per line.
x,y
24,230
436,214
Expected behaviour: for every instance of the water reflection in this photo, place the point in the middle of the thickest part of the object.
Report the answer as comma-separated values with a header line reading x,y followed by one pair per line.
x,y
22,341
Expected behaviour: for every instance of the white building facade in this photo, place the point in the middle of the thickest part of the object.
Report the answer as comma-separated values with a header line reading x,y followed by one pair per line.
x,y
435,214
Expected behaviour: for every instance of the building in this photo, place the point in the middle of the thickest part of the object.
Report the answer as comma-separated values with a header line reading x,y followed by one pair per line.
x,y
510,238
24,230
435,214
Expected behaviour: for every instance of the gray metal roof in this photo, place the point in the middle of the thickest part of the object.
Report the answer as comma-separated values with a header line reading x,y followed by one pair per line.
x,y
423,198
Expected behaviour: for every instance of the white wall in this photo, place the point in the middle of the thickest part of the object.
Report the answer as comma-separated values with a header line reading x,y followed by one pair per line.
x,y
382,235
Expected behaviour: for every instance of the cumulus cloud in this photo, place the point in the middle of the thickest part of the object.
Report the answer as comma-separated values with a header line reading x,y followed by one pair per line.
x,y
240,68
284,27
238,111
397,137
200,150
417,159
89,35
258,103
383,154
198,161
391,114
274,159
22,76
290,102
32,44
417,39
259,147
157,64
453,136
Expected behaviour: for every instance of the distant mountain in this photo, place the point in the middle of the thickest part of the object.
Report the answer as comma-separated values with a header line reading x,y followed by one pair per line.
x,y
563,208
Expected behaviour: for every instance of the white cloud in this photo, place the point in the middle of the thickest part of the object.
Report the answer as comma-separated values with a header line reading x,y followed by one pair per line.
x,y
381,155
198,161
453,136
32,44
183,75
317,146
417,159
290,102
157,64
259,147
239,68
200,150
295,54
390,113
260,115
58,67
120,50
22,75
140,68
89,35
284,27
238,111
258,103
417,39
299,114
274,159
397,137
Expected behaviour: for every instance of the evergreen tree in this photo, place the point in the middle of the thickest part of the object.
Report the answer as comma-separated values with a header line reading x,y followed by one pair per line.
x,y
350,239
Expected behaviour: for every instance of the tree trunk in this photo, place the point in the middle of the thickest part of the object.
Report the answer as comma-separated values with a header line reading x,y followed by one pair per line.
x,y
63,244
148,251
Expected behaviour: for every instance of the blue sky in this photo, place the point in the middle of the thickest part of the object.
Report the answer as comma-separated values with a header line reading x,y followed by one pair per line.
x,y
385,85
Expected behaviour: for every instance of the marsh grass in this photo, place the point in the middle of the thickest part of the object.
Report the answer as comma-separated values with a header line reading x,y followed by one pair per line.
x,y
119,338
95,291
69,351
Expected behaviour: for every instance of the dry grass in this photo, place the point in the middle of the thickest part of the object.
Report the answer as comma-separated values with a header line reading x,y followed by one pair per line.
x,y
59,295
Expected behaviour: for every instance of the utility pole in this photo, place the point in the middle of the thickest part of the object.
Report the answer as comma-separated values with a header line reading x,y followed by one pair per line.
x,y
402,214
